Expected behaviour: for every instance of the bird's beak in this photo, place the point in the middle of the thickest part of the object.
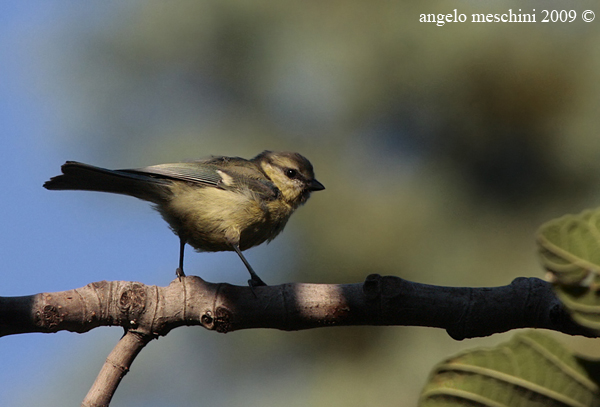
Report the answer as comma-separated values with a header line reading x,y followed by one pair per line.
x,y
315,186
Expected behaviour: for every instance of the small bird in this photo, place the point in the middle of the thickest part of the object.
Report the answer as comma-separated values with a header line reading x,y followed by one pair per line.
x,y
217,204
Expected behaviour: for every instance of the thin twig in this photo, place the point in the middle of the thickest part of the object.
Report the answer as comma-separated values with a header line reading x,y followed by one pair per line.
x,y
115,367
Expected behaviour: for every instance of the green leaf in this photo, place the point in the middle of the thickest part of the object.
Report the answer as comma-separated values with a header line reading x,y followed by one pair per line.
x,y
570,250
532,369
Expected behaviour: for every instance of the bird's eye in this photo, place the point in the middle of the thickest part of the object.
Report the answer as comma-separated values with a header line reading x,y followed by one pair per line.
x,y
291,173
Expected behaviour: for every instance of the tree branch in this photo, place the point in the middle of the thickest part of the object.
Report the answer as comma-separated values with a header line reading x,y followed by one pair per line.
x,y
114,369
150,310
146,312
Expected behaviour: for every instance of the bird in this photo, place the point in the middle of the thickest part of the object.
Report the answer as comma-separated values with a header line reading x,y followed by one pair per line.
x,y
215,204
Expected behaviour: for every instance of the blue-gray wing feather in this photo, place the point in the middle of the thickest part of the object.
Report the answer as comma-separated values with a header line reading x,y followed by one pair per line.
x,y
189,172
209,173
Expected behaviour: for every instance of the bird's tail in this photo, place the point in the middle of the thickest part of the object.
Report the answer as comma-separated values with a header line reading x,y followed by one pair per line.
x,y
84,177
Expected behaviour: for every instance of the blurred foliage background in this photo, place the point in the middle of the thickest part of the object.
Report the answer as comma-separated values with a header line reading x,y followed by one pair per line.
x,y
442,148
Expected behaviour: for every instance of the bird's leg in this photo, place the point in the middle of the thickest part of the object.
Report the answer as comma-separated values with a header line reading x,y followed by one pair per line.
x,y
255,280
179,272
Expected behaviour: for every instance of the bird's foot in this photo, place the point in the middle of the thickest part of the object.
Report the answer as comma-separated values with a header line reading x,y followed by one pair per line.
x,y
179,273
255,281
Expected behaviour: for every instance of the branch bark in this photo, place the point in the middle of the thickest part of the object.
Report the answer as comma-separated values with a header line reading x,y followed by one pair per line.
x,y
146,312
463,312
114,369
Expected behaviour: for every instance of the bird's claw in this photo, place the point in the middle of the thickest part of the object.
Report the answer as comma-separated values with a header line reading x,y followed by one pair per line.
x,y
179,273
255,281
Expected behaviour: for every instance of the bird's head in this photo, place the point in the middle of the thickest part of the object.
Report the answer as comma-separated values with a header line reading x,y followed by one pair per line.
x,y
291,173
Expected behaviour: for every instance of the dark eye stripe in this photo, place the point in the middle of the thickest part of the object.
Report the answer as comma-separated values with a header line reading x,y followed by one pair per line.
x,y
291,173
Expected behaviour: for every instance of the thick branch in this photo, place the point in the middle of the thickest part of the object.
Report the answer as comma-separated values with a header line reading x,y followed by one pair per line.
x,y
150,310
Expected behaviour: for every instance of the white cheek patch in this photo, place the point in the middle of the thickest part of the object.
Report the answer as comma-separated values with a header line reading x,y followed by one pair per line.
x,y
226,178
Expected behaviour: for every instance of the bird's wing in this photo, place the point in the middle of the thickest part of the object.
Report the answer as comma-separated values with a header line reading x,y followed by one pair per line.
x,y
216,174
194,172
